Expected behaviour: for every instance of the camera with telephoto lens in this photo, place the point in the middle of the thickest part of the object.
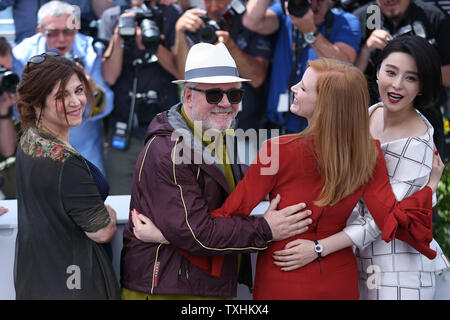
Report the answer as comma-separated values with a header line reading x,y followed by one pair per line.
x,y
298,8
207,33
8,80
149,19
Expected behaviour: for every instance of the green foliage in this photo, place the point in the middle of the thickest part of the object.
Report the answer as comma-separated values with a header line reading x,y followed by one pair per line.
x,y
441,229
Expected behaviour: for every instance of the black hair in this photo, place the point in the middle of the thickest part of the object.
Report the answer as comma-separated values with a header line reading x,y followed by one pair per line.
x,y
427,62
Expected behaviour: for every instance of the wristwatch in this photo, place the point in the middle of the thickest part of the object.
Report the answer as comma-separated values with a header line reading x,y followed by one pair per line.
x,y
318,248
311,37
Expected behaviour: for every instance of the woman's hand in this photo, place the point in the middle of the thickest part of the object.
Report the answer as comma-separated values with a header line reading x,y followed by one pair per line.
x,y
436,171
145,230
295,254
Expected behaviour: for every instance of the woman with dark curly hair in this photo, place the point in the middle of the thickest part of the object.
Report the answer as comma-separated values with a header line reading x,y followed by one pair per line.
x,y
62,218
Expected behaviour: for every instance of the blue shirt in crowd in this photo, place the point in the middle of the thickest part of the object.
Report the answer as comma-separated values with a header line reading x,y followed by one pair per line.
x,y
25,14
345,28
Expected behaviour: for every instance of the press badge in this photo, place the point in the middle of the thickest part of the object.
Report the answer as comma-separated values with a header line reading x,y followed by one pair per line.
x,y
283,102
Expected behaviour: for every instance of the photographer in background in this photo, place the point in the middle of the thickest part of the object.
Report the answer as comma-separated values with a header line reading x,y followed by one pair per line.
x,y
8,131
57,25
25,20
222,22
306,31
139,66
405,17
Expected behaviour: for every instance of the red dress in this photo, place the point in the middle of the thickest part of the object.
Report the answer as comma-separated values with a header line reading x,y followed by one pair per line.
x,y
297,179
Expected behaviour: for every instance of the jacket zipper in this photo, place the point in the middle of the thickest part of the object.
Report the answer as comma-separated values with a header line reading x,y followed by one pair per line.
x,y
155,270
180,272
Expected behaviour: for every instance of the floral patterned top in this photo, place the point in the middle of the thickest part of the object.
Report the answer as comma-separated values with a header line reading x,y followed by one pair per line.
x,y
37,143
58,202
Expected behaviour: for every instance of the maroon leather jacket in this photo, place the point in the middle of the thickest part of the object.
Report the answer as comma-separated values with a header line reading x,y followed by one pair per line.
x,y
178,197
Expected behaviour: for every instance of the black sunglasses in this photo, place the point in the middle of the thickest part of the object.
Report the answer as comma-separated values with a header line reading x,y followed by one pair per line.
x,y
215,95
41,58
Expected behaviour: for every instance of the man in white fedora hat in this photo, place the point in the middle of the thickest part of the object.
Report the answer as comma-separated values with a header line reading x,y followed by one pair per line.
x,y
207,66
188,254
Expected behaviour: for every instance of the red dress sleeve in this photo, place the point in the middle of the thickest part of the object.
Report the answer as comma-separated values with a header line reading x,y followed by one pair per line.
x,y
249,192
409,220
256,184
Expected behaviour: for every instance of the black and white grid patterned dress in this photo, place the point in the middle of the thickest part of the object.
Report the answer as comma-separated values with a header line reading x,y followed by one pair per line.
x,y
396,271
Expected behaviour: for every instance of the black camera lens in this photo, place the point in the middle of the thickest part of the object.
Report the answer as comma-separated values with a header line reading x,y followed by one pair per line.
x,y
207,34
150,32
8,80
150,21
298,8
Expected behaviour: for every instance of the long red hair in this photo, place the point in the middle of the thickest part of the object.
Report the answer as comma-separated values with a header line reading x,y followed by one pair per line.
x,y
345,151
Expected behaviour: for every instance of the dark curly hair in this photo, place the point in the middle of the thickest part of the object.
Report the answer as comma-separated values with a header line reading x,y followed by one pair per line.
x,y
38,81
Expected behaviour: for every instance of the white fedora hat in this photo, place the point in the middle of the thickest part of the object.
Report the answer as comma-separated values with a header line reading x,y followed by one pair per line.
x,y
208,63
